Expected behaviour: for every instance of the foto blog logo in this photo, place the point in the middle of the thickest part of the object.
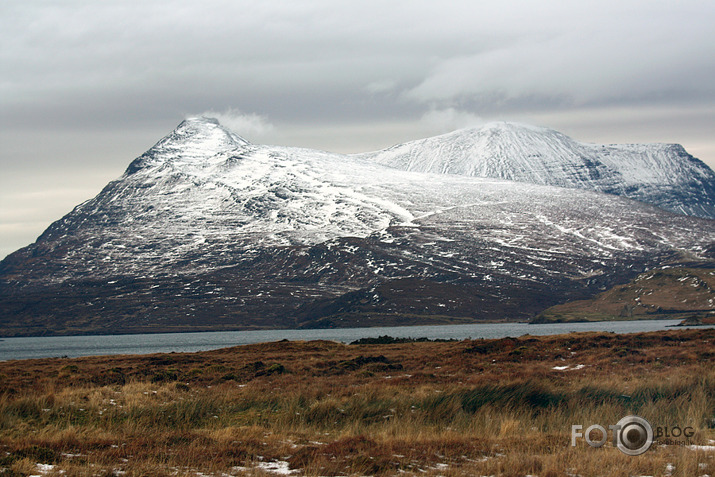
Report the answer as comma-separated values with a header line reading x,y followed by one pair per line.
x,y
632,435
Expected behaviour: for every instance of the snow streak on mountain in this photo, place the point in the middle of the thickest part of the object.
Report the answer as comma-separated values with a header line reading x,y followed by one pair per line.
x,y
206,231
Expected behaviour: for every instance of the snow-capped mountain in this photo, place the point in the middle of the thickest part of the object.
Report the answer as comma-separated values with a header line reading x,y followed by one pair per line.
x,y
661,174
208,231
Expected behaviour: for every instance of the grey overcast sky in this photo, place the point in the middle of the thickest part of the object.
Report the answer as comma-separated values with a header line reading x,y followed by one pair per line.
x,y
86,86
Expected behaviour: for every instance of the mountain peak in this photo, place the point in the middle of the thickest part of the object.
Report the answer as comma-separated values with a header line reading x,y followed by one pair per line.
x,y
194,141
202,132
496,131
511,126
202,120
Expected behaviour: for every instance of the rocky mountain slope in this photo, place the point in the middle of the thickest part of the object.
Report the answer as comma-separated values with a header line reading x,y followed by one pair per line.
x,y
207,232
661,174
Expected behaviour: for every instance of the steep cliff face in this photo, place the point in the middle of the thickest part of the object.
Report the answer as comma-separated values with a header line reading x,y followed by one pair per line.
x,y
661,174
206,231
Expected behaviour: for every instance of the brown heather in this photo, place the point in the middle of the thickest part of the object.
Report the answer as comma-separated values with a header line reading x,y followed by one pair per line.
x,y
473,407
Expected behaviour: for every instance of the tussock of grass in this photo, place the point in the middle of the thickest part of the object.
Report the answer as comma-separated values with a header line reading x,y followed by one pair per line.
x,y
415,408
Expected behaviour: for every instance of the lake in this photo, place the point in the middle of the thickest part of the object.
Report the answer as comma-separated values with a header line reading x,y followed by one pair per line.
x,y
74,346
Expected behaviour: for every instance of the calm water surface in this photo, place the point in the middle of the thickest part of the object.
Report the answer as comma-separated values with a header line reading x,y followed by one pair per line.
x,y
74,346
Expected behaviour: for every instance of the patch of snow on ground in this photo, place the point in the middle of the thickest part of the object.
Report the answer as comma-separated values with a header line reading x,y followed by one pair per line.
x,y
278,467
702,448
45,469
566,368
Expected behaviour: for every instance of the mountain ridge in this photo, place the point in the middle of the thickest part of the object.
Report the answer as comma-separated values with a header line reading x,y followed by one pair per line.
x,y
661,174
206,231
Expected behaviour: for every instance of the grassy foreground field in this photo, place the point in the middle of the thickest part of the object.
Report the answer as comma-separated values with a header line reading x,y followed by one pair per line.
x,y
466,408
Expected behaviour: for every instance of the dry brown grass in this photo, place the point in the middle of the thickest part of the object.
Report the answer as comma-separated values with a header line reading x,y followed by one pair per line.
x,y
474,407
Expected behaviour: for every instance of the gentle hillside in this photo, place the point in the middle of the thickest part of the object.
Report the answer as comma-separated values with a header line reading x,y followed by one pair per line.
x,y
687,293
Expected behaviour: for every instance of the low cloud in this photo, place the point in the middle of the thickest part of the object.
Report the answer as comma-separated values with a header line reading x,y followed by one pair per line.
x,y
250,125
449,119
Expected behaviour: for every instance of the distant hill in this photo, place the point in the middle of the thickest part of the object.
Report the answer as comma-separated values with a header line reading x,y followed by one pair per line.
x,y
682,293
